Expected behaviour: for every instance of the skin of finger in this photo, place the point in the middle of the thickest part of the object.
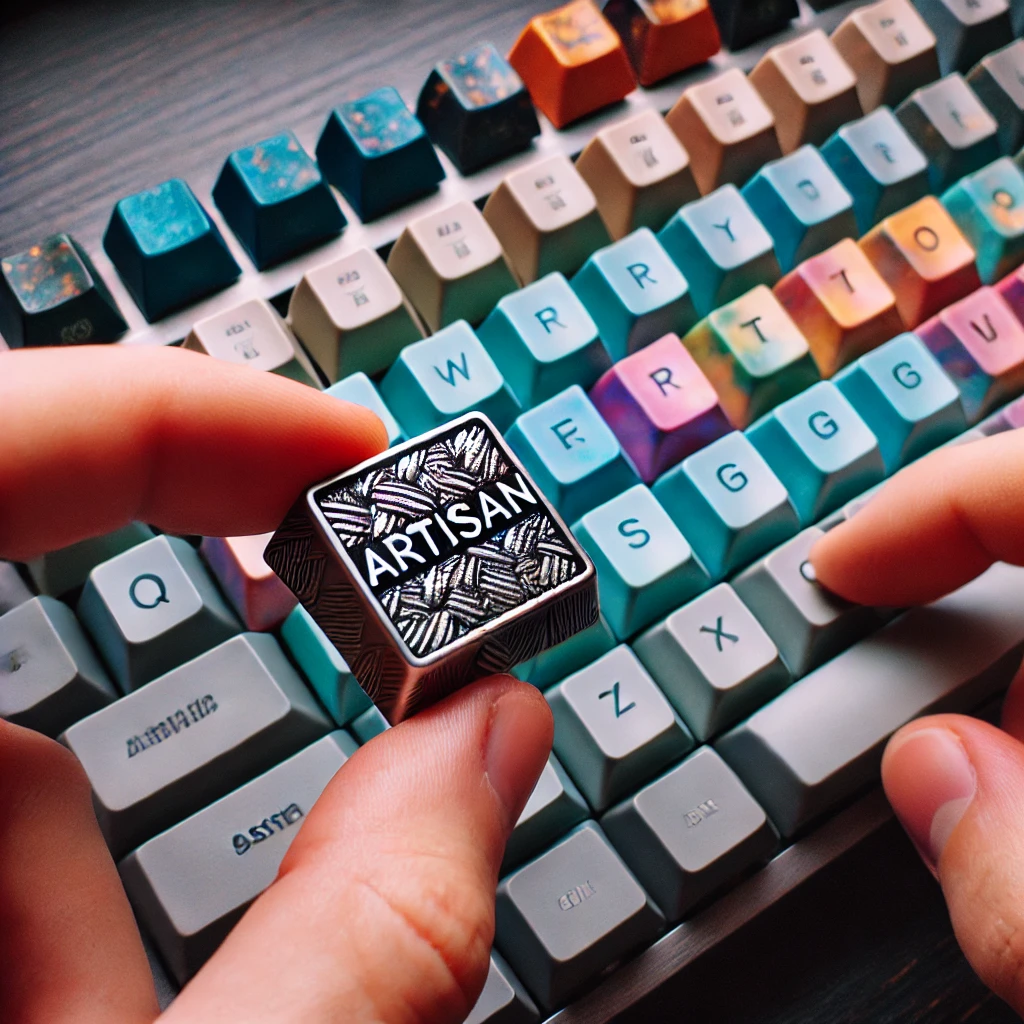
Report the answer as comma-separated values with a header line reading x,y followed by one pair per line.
x,y
1012,718
97,436
384,907
69,947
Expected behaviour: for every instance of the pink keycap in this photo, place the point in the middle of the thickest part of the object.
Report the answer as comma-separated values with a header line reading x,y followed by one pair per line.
x,y
258,595
1011,288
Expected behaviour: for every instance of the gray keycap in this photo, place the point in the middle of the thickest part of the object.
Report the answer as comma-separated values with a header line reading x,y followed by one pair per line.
x,y
568,915
690,832
614,729
965,30
822,739
49,675
60,571
190,884
503,1000
193,735
152,608
12,588
998,81
713,660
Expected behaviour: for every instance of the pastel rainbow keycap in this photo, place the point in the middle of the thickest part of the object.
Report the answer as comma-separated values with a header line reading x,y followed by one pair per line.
x,y
262,601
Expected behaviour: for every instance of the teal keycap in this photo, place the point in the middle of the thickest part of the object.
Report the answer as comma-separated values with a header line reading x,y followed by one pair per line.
x,y
728,504
571,453
369,724
444,376
820,448
554,664
358,388
879,164
645,567
802,203
60,571
635,293
902,393
542,339
721,247
166,249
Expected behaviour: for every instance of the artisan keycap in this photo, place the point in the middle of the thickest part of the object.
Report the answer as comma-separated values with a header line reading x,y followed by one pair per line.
x,y
50,294
571,453
635,293
721,247
13,590
691,832
476,108
966,29
503,999
358,388
924,258
151,608
444,376
998,82
727,129
49,675
261,600
190,884
660,406
58,572
351,315
743,22
803,205
253,334
377,154
639,173
166,249
569,656
542,339
451,266
572,62
713,660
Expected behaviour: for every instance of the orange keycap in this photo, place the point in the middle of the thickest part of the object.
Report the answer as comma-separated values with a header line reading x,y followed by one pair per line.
x,y
573,62
924,259
841,305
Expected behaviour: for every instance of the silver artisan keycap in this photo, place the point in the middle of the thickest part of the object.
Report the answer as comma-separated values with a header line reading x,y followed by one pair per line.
x,y
13,590
192,735
503,999
190,884
690,832
570,914
822,739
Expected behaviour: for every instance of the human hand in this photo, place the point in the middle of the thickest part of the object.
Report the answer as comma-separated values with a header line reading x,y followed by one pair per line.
x,y
384,906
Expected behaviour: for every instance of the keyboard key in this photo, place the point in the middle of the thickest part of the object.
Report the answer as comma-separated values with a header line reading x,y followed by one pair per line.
x,y
51,294
503,1000
569,656
370,724
377,154
743,22
255,591
190,884
476,108
998,82
166,249
49,675
59,572
152,608
451,266
358,388
572,62
1011,288
13,591
966,29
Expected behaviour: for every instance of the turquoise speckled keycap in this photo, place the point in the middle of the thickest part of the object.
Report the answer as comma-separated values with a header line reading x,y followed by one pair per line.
x,y
635,293
358,388
569,656
802,203
645,567
721,247
728,504
274,199
377,154
571,453
166,249
444,376
542,339
820,449
906,399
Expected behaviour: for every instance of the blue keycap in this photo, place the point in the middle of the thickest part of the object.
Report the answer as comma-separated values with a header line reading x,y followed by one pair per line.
x,y
444,376
820,449
635,293
721,247
803,205
569,656
571,453
377,154
728,504
358,388
903,395
880,165
166,249
542,339
645,567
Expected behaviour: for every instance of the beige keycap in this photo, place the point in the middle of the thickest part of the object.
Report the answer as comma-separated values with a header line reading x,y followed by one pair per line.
x,y
639,172
726,128
546,218
451,266
352,316
890,49
252,334
810,88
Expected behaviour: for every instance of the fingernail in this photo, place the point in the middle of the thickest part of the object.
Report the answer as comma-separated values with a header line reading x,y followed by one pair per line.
x,y
511,755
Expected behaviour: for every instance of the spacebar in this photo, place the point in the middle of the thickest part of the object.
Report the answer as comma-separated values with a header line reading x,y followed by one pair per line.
x,y
822,739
